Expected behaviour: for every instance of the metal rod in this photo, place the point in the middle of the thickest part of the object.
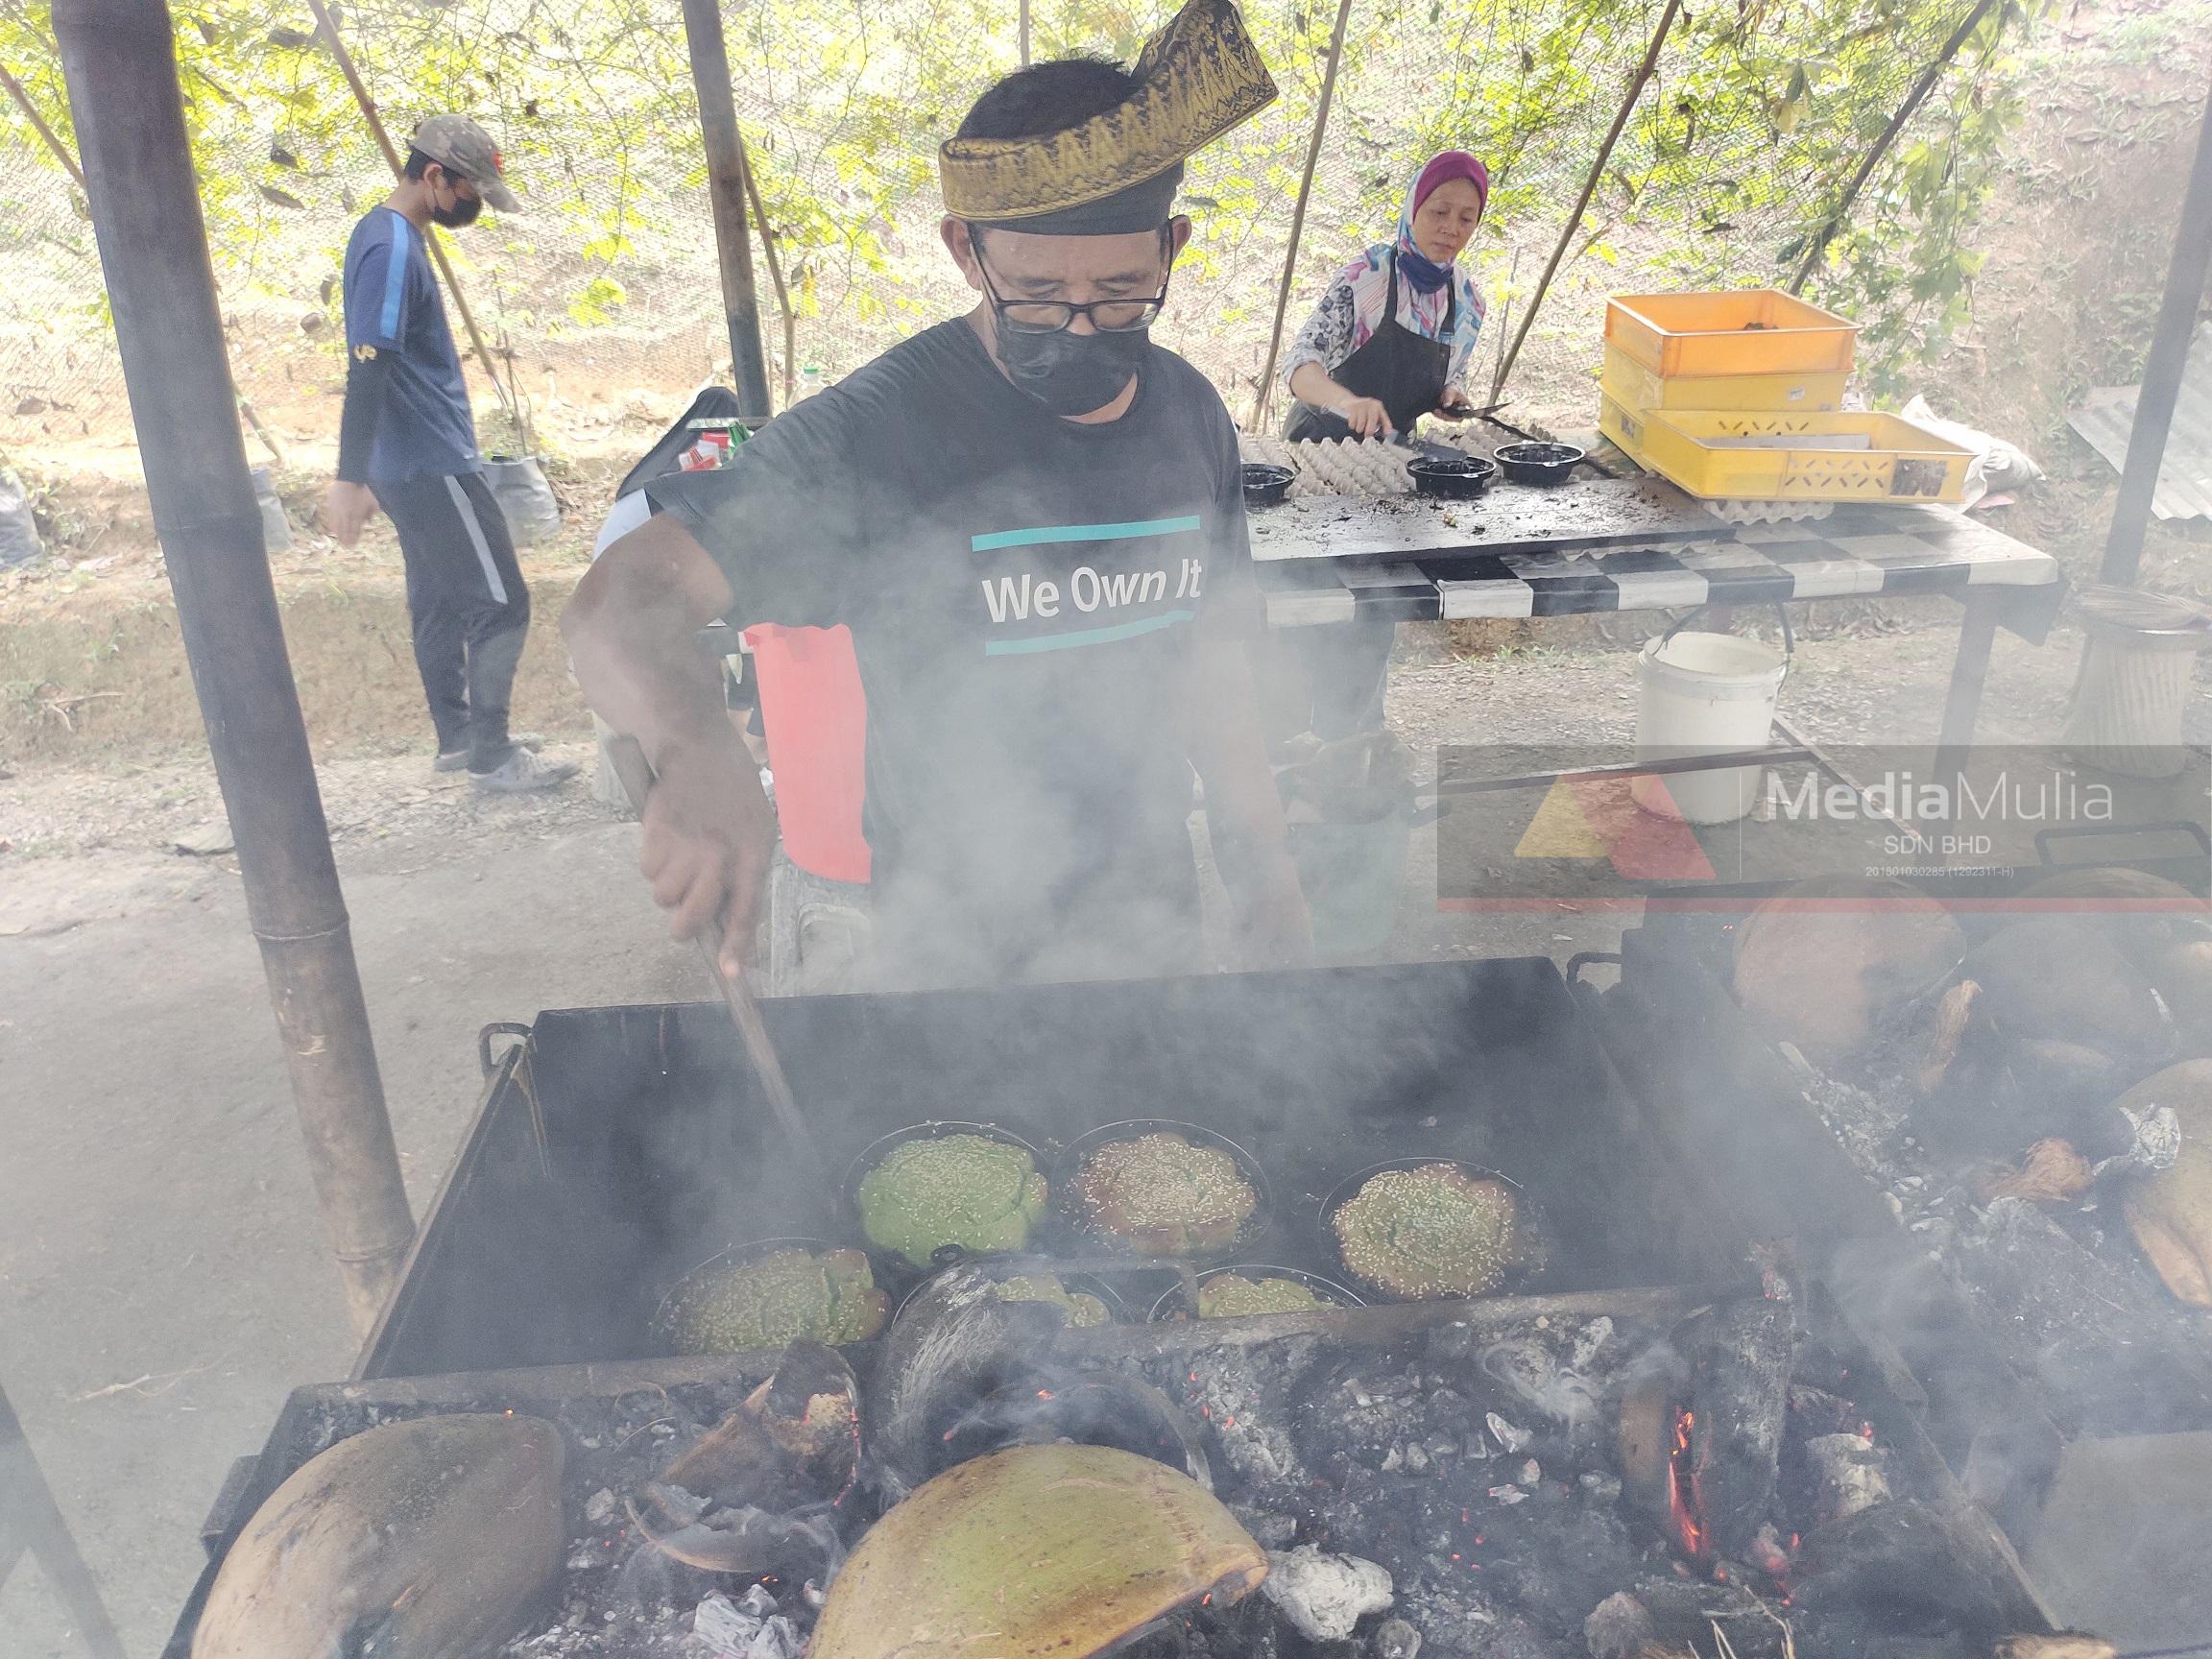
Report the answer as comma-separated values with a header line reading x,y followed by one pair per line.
x,y
774,267
631,767
726,189
1023,29
1574,223
1719,761
328,26
1298,213
119,63
38,126
1881,146
2163,371
1962,698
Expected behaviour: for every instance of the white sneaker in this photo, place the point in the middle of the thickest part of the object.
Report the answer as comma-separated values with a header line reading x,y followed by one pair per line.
x,y
522,771
457,759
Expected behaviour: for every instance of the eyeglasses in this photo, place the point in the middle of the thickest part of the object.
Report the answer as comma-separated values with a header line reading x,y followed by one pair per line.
x,y
1052,316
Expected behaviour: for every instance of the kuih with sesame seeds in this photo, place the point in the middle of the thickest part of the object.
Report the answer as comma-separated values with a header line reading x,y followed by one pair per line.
x,y
1163,1196
980,1194
729,1307
1432,1231
1233,1297
1083,1310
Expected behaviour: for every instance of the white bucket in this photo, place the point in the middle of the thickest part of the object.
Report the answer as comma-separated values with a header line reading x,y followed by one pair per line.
x,y
1704,694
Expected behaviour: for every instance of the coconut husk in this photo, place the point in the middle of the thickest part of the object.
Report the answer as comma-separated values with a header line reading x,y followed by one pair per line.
x,y
2053,1172
1830,963
2169,1210
432,1538
1036,1552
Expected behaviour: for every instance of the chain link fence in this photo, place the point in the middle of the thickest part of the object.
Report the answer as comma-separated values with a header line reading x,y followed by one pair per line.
x,y
606,287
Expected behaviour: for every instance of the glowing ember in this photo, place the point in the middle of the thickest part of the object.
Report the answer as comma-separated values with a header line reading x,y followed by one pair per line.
x,y
1682,1507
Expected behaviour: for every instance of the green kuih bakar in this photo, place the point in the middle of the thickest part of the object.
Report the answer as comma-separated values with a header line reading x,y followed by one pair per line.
x,y
1233,1297
1082,1310
965,1190
831,1297
1435,1231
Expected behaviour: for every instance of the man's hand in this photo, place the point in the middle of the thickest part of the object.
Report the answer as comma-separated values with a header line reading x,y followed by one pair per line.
x,y
346,509
1277,928
1366,416
709,834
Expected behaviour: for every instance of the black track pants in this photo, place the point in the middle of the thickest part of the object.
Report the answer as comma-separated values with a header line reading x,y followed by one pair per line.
x,y
469,607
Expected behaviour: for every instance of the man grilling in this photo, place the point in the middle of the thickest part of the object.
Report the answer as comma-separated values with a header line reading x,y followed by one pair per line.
x,y
407,444
1031,519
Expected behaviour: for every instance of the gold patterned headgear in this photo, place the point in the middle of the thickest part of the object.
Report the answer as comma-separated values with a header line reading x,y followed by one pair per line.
x,y
1196,79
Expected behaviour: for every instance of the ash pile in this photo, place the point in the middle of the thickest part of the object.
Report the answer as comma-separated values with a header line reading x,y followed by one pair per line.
x,y
2031,1094
1522,1477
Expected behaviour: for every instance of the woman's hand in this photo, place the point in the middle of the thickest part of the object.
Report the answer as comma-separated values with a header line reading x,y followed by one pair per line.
x,y
1366,416
1454,405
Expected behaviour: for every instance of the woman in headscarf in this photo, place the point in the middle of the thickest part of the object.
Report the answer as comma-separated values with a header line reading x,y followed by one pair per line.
x,y
1389,343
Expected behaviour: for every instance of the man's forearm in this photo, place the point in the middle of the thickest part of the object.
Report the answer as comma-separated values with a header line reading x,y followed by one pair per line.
x,y
1244,810
633,630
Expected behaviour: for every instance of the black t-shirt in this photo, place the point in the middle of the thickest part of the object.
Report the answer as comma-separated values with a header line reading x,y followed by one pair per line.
x,y
1024,595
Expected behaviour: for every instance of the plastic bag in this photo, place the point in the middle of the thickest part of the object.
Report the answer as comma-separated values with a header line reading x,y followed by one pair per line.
x,y
19,541
525,500
1997,467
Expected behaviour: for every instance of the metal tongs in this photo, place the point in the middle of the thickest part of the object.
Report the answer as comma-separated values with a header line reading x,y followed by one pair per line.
x,y
637,775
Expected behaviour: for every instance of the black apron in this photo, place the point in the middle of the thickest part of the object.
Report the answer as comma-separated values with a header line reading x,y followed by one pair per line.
x,y
1406,373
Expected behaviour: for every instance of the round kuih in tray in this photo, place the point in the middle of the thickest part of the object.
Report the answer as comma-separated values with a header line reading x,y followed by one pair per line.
x,y
950,1186
770,1293
1251,1287
1085,1298
1429,1229
1154,1186
1539,463
1265,484
1452,477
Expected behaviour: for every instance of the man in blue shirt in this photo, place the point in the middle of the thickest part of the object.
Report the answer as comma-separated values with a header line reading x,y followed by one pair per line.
x,y
407,444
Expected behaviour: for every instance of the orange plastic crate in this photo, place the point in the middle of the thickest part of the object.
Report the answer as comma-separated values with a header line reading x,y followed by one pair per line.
x,y
1747,331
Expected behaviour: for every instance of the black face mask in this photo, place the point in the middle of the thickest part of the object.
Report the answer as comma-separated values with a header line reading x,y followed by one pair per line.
x,y
1071,374
464,211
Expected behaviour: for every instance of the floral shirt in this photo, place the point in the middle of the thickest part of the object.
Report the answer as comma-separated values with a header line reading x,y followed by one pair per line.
x,y
1350,310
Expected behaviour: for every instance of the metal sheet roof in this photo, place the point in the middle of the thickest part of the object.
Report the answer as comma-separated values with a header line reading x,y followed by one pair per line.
x,y
2107,414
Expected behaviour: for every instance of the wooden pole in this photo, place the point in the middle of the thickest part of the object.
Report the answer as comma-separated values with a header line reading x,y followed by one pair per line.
x,y
119,63
1024,32
1881,148
1574,223
2163,371
328,26
38,126
775,269
726,188
1298,213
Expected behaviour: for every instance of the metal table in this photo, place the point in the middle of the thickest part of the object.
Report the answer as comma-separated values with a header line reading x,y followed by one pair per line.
x,y
1642,544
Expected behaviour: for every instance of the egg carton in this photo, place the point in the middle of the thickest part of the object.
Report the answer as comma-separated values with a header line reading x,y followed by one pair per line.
x,y
1265,450
1350,467
1741,511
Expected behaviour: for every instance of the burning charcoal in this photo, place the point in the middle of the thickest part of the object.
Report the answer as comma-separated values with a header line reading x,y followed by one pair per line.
x,y
1729,1436
1602,1488
1620,1627
1902,1557
1852,1473
431,1536
1325,1596
1395,1639
973,1191
1088,1408
1531,1472
1163,1196
1590,1341
1533,1380
1230,1390
1435,1231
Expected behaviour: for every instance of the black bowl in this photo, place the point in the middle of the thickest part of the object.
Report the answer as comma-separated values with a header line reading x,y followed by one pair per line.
x,y
1070,1164
935,1129
1264,484
1526,1216
880,1269
1453,478
1540,462
1172,1304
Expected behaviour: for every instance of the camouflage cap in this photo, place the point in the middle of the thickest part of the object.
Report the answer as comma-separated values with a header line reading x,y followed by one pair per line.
x,y
460,146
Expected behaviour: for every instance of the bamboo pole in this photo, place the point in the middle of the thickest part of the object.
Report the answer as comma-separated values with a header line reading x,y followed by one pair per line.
x,y
1636,85
328,26
38,125
119,63
2163,371
1881,148
1298,213
1024,32
726,192
774,267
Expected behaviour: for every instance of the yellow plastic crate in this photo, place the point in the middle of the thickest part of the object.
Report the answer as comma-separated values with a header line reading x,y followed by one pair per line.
x,y
1752,455
1634,387
1747,331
